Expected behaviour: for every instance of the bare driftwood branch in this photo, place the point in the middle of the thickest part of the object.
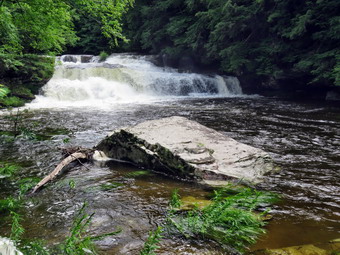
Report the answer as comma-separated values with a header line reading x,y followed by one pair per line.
x,y
60,166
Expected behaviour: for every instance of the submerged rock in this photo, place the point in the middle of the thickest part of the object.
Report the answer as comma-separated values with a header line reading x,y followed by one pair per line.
x,y
188,150
330,248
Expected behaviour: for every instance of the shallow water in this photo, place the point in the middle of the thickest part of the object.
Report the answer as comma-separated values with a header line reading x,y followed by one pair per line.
x,y
302,137
84,102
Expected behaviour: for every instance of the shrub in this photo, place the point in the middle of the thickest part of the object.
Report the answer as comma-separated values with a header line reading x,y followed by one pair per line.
x,y
103,56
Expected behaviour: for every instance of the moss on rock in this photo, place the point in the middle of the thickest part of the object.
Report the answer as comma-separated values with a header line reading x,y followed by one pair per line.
x,y
24,75
22,92
11,102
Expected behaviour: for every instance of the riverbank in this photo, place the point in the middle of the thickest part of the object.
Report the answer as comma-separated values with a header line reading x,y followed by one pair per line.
x,y
24,75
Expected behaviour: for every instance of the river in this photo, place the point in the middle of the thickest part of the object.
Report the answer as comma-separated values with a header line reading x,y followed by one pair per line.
x,y
83,102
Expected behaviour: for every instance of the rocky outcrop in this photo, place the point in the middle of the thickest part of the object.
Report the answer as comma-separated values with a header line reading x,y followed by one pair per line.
x,y
188,150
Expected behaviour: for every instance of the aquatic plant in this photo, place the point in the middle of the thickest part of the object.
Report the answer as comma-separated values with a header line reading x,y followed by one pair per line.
x,y
7,169
152,242
138,173
103,56
75,243
230,218
26,184
16,230
78,243
35,247
175,200
72,184
9,204
110,186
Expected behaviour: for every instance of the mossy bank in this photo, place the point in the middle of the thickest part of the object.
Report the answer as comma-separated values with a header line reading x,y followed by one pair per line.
x,y
23,75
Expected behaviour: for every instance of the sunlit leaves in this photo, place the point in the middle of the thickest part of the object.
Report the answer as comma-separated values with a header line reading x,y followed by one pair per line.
x,y
47,26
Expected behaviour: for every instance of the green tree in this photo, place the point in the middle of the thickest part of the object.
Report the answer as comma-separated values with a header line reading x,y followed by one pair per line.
x,y
47,26
295,41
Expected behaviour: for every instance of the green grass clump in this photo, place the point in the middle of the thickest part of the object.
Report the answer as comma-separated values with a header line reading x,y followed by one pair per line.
x,y
12,102
16,230
35,247
26,184
75,243
152,242
78,243
175,201
138,173
9,204
7,169
4,91
229,220
110,186
103,56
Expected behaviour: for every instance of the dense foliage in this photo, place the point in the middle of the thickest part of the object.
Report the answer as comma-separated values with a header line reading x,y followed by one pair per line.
x,y
23,76
266,40
32,28
47,26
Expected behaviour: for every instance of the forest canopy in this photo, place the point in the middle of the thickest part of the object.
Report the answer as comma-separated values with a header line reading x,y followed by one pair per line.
x,y
268,39
47,26
265,42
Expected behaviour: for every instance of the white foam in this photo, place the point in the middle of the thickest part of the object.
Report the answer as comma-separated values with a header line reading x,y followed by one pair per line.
x,y
125,79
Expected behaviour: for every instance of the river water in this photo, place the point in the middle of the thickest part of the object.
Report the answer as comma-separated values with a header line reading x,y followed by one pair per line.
x,y
83,102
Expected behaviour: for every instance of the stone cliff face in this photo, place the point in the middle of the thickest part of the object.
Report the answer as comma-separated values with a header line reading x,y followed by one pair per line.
x,y
187,150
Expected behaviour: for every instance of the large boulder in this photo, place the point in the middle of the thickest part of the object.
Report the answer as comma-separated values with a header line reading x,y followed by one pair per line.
x,y
187,150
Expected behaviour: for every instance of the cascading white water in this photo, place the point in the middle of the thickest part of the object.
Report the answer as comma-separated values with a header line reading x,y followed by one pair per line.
x,y
126,78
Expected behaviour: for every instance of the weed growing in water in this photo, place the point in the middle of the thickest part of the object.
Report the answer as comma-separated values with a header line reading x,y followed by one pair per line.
x,y
72,184
26,184
152,242
35,247
139,173
17,230
229,220
103,56
9,204
76,243
175,201
7,170
110,186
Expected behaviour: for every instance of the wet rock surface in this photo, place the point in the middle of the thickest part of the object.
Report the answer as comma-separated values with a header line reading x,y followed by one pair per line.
x,y
187,150
329,248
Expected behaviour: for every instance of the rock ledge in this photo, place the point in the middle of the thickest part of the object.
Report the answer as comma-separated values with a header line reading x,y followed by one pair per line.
x,y
187,150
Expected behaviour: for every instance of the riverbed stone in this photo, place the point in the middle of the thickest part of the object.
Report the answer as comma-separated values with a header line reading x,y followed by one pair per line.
x,y
185,149
329,248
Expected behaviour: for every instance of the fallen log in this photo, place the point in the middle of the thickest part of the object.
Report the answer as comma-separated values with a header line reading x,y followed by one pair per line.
x,y
74,156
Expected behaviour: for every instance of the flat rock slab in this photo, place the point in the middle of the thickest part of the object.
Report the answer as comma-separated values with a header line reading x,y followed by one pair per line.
x,y
188,150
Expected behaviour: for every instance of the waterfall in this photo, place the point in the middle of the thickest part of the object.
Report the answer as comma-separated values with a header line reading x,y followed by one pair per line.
x,y
126,78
